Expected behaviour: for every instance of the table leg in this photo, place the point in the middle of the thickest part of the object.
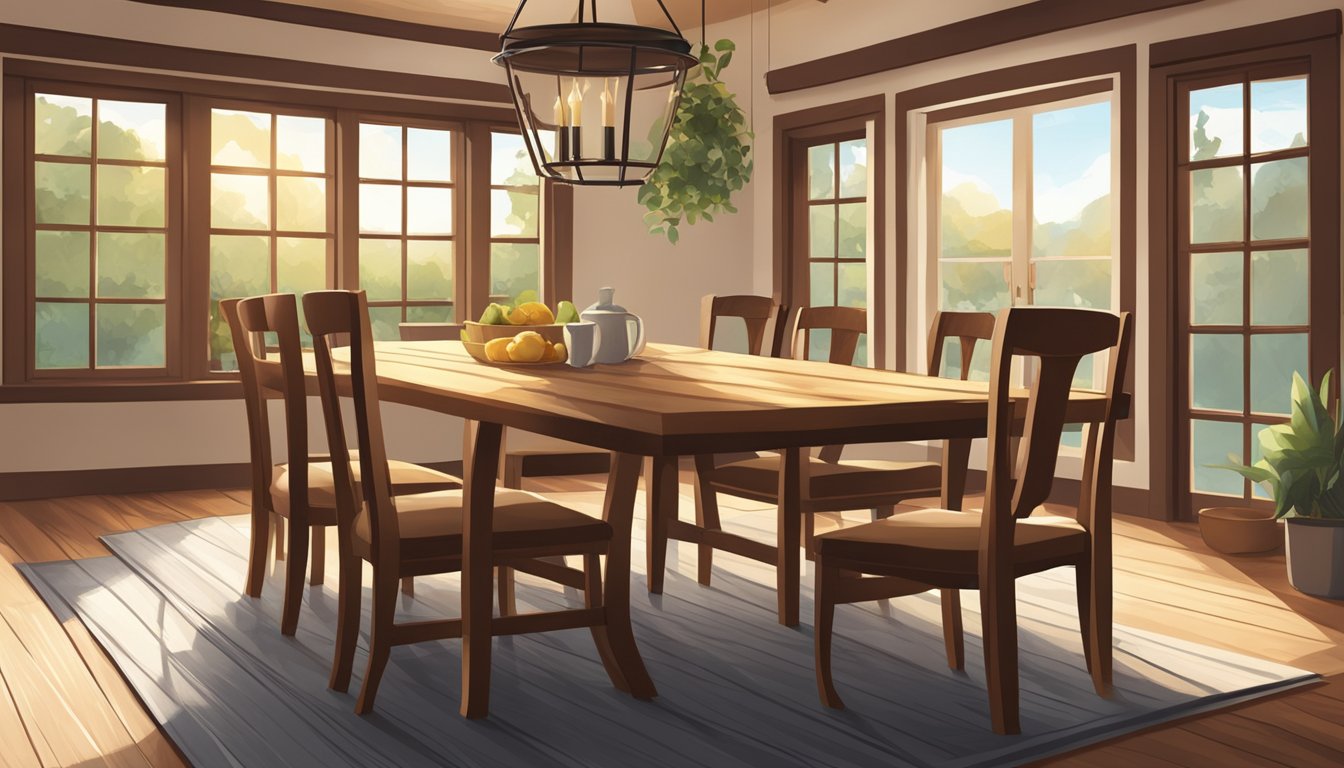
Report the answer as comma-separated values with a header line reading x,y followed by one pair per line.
x,y
615,638
479,472
660,489
790,522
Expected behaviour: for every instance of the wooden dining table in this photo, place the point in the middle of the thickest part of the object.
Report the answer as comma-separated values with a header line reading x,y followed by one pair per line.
x,y
673,401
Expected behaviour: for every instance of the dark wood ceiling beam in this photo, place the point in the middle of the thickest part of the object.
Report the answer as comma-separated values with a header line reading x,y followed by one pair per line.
x,y
1009,25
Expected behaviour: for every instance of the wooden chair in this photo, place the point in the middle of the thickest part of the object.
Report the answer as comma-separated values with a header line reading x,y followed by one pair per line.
x,y
828,484
412,535
302,489
988,551
762,316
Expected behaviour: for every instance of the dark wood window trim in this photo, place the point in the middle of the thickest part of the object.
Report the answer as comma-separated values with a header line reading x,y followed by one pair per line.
x,y
794,132
1310,42
1005,26
557,202
1114,66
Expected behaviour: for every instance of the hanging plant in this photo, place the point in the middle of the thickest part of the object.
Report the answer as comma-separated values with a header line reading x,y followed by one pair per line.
x,y
708,155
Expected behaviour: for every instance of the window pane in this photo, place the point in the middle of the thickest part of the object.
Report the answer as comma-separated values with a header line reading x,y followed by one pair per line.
x,y
821,231
380,269
429,211
131,130
1279,199
62,264
1274,359
130,265
819,344
1216,205
300,143
1279,287
429,155
509,162
240,266
977,186
300,204
821,172
514,268
821,281
240,138
131,196
62,335
1212,443
239,202
61,125
1216,288
386,323
300,264
853,231
513,213
1071,181
854,168
974,286
379,151
61,193
1216,373
853,284
1082,283
429,270
1216,122
440,313
1278,114
380,208
131,335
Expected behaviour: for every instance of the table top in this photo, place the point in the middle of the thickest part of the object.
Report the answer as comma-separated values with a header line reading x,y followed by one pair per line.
x,y
674,400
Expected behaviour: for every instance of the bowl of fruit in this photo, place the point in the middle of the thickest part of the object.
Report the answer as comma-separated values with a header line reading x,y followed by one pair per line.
x,y
527,334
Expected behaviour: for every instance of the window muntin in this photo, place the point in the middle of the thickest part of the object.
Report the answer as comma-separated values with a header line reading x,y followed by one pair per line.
x,y
515,214
837,239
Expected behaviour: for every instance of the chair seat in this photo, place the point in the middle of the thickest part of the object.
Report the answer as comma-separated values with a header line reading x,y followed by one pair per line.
x,y
430,524
759,477
948,541
406,478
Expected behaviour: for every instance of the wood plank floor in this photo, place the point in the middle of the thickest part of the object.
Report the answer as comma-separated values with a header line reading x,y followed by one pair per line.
x,y
62,702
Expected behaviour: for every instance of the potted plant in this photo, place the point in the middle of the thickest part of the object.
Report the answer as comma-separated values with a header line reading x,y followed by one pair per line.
x,y
1301,465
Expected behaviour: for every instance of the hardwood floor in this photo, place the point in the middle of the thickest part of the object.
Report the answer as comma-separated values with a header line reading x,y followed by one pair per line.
x,y
62,702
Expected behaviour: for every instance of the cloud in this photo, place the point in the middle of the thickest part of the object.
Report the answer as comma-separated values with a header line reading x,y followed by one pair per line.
x,y
1066,201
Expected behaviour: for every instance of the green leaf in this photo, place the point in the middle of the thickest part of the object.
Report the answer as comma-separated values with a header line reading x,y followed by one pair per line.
x,y
725,45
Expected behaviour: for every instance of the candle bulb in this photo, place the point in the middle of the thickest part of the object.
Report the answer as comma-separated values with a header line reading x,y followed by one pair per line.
x,y
561,131
609,86
575,119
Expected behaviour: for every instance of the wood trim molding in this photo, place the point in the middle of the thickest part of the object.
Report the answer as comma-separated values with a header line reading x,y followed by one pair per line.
x,y
1298,29
35,41
796,126
117,392
13,277
344,21
1005,26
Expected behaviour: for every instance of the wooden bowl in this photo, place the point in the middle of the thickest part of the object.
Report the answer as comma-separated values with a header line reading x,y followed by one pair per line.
x,y
1239,530
475,335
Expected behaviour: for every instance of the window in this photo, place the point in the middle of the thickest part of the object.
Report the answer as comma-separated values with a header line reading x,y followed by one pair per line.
x,y
271,215
837,234
515,205
102,235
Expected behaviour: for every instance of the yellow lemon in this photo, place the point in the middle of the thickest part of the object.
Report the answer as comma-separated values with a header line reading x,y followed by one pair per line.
x,y
550,356
498,350
532,313
561,354
527,347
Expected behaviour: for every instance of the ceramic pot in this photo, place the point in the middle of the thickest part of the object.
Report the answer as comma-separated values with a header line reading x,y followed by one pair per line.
x,y
622,332
1315,551
1239,530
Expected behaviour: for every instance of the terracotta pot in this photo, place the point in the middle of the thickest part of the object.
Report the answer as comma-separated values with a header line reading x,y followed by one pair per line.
x,y
1238,530
1315,551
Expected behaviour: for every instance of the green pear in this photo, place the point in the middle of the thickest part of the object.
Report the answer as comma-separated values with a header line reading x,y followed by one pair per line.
x,y
565,312
494,315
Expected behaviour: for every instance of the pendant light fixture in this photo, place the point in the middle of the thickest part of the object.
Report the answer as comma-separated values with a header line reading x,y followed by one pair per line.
x,y
595,99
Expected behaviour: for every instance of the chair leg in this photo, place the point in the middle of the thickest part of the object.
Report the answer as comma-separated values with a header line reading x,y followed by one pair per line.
x,y
279,528
660,496
822,625
294,568
318,569
256,554
953,636
809,536
789,517
380,637
1099,636
883,512
408,586
513,472
998,612
1083,580
348,601
508,605
707,517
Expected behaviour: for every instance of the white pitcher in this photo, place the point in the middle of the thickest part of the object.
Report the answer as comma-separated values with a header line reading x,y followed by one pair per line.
x,y
622,332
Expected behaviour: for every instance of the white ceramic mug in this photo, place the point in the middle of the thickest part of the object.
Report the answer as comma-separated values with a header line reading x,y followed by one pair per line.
x,y
582,340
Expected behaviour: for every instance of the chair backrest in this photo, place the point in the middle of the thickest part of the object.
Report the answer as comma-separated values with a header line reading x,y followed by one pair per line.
x,y
763,316
967,328
345,314
249,320
430,331
846,324
1059,339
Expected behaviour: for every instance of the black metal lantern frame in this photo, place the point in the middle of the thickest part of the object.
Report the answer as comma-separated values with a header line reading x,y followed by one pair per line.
x,y
569,67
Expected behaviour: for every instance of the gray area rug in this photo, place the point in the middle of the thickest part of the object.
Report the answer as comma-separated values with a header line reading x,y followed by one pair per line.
x,y
735,688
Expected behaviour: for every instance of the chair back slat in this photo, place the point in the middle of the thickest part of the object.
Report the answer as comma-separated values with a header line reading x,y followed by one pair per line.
x,y
254,401
968,328
762,315
337,316
846,324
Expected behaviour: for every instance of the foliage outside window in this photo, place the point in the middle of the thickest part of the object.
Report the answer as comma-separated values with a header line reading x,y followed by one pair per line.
x,y
515,236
